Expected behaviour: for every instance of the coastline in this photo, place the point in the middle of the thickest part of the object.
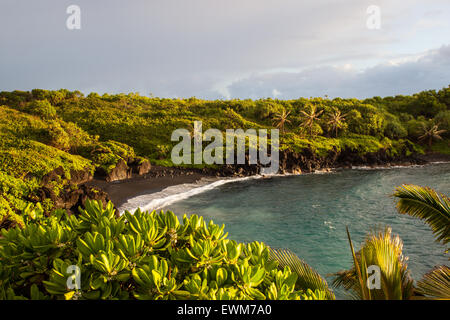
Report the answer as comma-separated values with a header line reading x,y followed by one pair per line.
x,y
160,178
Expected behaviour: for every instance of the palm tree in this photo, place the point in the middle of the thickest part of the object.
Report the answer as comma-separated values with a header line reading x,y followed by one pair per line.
x,y
308,278
426,204
430,134
434,208
311,117
436,283
281,119
336,121
384,250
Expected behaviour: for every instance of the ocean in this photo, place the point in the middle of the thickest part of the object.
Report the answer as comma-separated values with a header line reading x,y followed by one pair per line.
x,y
308,213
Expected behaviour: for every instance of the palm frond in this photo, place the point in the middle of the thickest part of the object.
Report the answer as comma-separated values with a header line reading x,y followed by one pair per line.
x,y
426,204
436,283
365,292
308,278
383,250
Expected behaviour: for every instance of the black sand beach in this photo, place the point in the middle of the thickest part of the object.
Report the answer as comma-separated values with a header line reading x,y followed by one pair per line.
x,y
158,179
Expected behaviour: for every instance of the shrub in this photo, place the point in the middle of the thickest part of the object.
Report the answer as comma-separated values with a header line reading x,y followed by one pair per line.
x,y
136,256
42,108
415,128
7,215
395,130
443,120
107,154
58,137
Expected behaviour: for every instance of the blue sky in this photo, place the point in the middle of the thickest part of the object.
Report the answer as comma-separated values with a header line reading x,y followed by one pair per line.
x,y
226,49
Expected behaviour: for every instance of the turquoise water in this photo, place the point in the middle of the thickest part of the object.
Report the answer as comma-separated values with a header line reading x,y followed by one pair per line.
x,y
308,213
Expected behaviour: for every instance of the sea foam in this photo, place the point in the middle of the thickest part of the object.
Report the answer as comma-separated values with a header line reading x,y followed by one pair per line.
x,y
169,195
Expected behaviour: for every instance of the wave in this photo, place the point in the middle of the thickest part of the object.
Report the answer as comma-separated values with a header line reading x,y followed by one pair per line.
x,y
399,166
387,167
439,162
169,195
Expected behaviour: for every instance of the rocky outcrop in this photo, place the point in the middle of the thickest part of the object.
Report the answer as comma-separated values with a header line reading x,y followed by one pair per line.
x,y
81,176
119,172
124,169
68,191
308,161
74,177
70,199
92,193
140,166
300,162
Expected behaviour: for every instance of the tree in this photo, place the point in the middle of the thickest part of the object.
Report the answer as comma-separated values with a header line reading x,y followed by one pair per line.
x,y
336,121
443,118
436,283
384,251
281,119
310,118
428,205
434,208
431,133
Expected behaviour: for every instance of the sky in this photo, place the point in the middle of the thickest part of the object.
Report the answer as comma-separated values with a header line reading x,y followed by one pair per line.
x,y
223,49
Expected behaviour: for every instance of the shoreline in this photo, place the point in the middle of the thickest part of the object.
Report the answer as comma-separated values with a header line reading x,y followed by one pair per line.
x,y
121,191
160,178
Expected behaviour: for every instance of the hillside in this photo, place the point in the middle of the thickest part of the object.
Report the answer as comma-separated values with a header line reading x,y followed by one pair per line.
x,y
52,142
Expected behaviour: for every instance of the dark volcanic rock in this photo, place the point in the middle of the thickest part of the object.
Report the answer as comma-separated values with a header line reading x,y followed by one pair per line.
x,y
119,172
54,175
308,161
125,169
76,176
92,193
70,193
71,197
140,167
80,176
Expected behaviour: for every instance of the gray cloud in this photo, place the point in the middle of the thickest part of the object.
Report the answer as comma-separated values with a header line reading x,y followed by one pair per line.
x,y
202,47
430,71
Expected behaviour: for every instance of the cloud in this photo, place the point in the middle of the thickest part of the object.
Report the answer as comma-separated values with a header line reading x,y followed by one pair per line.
x,y
430,70
202,47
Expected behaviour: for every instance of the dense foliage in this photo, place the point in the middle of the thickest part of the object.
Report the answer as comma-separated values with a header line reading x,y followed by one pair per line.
x,y
43,130
137,256
144,255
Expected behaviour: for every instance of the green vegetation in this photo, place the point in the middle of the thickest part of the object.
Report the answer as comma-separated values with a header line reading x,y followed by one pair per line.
x,y
280,119
144,255
426,204
384,250
146,124
41,131
137,256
